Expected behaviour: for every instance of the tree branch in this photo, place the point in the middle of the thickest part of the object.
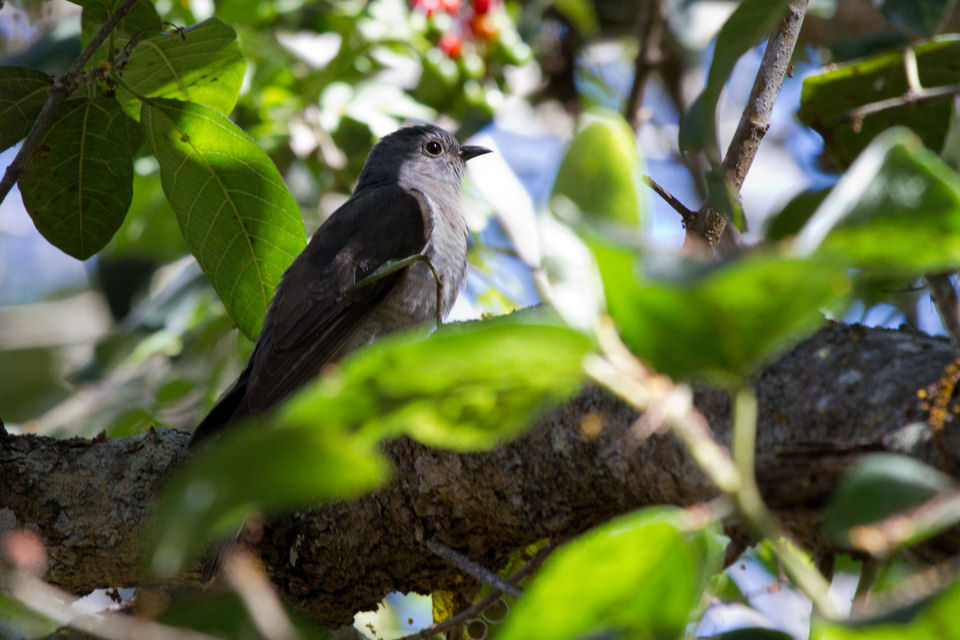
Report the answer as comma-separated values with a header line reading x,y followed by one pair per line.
x,y
62,88
648,57
944,296
846,391
707,225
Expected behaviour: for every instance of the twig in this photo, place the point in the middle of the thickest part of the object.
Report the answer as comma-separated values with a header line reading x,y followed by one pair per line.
x,y
622,373
670,199
944,296
515,578
648,57
922,96
755,119
48,601
471,568
247,578
61,90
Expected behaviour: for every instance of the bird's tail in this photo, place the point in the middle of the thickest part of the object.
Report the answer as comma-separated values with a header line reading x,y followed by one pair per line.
x,y
227,409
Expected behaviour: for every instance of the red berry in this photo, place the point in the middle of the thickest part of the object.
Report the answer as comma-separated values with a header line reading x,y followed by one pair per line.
x,y
450,44
484,27
451,6
482,6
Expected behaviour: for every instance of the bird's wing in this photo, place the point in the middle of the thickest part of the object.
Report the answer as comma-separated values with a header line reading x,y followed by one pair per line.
x,y
316,308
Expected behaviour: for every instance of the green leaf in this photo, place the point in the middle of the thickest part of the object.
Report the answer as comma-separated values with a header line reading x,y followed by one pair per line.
x,y
639,575
601,169
790,220
829,96
236,214
896,210
581,14
258,467
723,324
879,486
140,21
22,95
744,29
919,16
202,64
78,183
423,389
930,618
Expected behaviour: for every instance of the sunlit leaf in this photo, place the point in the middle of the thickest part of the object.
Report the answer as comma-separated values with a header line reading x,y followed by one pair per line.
x,y
879,486
77,185
897,210
639,575
722,324
601,169
235,212
930,618
829,96
22,94
427,390
201,64
919,16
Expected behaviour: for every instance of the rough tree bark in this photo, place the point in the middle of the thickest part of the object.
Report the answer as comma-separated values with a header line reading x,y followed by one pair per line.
x,y
845,391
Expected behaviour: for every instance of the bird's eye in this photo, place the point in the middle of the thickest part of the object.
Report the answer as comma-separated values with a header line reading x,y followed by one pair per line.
x,y
433,148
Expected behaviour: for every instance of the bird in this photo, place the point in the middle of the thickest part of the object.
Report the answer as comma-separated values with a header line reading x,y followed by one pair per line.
x,y
393,256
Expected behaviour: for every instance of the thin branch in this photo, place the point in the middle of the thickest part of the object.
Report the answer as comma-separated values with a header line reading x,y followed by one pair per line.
x,y
515,578
944,296
670,199
648,57
471,568
707,225
61,90
755,119
922,96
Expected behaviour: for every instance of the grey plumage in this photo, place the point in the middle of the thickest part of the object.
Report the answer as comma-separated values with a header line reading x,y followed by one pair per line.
x,y
407,202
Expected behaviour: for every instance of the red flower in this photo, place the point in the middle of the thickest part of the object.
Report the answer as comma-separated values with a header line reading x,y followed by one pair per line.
x,y
450,44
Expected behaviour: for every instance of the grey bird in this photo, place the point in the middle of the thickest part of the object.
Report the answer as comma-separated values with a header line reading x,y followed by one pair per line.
x,y
406,203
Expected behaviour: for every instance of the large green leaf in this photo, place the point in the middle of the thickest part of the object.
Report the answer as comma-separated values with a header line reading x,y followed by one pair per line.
x,y
897,209
236,214
750,22
601,169
258,467
77,185
638,576
467,387
931,618
828,96
918,16
22,94
202,64
723,324
879,486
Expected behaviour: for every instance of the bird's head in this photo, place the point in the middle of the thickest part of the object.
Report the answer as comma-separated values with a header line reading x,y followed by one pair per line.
x,y
417,157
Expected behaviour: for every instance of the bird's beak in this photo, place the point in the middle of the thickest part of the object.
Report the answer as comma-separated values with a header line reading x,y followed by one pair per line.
x,y
472,151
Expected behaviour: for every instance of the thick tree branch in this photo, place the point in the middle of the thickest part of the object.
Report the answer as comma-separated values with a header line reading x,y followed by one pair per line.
x,y
846,391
